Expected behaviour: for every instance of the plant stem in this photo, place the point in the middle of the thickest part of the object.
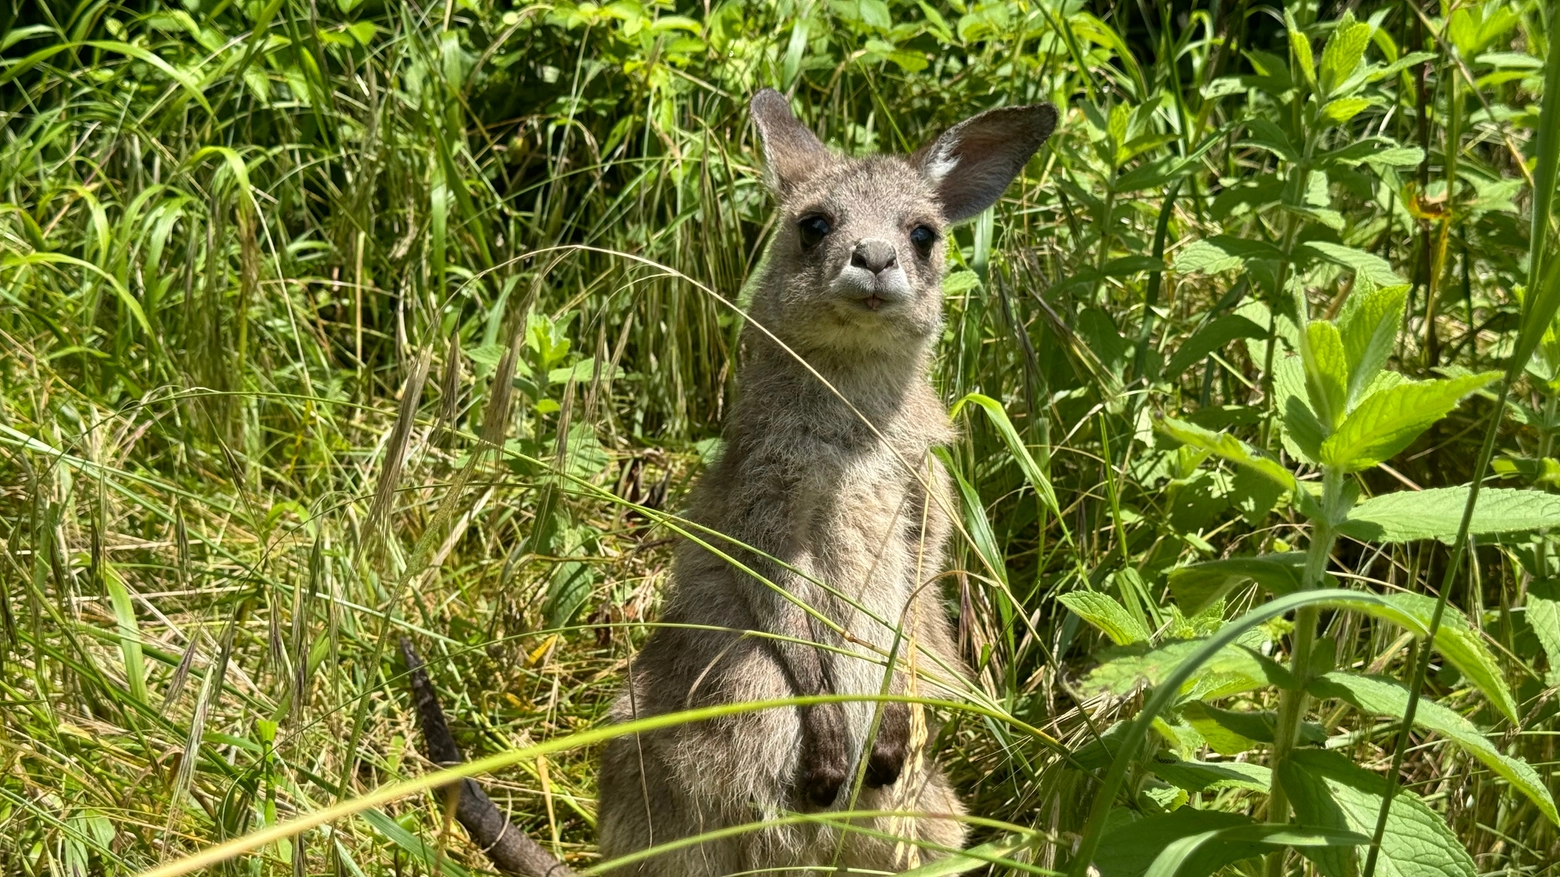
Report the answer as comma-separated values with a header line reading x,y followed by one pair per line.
x,y
1292,705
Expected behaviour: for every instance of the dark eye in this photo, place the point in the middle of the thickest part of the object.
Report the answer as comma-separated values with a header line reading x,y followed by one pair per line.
x,y
813,229
923,238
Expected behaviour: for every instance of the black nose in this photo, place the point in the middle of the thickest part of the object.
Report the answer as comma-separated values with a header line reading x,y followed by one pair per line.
x,y
875,255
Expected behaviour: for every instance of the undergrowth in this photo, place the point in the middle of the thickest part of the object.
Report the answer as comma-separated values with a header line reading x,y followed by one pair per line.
x,y
325,323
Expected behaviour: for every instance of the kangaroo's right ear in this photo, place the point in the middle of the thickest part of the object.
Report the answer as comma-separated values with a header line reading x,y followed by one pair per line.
x,y
792,153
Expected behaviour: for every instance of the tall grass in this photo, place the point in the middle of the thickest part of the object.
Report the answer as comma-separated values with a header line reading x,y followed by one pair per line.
x,y
324,323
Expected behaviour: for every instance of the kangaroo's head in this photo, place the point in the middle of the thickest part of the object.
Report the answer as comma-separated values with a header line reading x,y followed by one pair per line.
x,y
858,257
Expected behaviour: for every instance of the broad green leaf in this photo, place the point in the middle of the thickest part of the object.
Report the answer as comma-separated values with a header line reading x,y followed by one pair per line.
x,y
1435,513
1389,420
1123,627
1231,670
1328,790
1195,586
1343,109
1178,859
1387,697
1455,639
1369,325
1229,448
1204,257
1211,776
1342,54
1133,843
1300,49
1370,265
1326,372
1543,615
1253,726
1210,338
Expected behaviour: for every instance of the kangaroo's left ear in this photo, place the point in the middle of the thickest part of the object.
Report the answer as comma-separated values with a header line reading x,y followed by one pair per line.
x,y
973,162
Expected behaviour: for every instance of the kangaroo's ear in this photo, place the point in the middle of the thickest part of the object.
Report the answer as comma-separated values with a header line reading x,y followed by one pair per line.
x,y
973,162
792,153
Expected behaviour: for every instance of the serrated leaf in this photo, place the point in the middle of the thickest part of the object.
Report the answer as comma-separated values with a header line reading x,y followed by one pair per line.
x,y
1326,789
1210,338
1343,51
1369,324
1326,372
1195,586
1203,257
1300,48
1386,697
1435,513
1455,639
1238,667
1103,612
1341,110
1358,261
1543,615
1390,419
1229,448
1209,776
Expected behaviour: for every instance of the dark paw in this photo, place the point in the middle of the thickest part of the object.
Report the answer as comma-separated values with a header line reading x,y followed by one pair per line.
x,y
891,747
822,780
825,764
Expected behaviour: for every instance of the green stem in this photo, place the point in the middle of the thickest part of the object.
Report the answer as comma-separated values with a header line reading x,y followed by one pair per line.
x,y
1292,704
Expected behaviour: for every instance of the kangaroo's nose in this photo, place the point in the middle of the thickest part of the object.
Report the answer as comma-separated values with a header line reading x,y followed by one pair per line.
x,y
874,254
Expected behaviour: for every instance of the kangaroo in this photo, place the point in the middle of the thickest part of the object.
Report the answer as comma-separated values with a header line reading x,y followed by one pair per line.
x,y
833,516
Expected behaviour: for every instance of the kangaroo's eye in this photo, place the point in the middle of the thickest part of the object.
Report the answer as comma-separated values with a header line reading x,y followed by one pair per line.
x,y
923,238
813,229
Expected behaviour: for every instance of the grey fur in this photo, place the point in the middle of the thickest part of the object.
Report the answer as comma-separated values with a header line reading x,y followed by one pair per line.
x,y
834,478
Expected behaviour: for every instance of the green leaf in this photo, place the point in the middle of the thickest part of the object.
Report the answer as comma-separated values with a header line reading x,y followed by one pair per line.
x,y
1543,615
1390,419
1328,790
1237,668
1342,54
1336,112
1210,776
1386,697
1195,586
1132,844
1233,726
1369,324
1015,445
1375,268
1434,514
1178,858
1300,48
1210,338
1123,627
427,855
1326,372
129,632
1456,640
1229,448
1205,257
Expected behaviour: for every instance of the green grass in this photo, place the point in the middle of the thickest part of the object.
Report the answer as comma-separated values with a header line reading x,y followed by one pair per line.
x,y
262,264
